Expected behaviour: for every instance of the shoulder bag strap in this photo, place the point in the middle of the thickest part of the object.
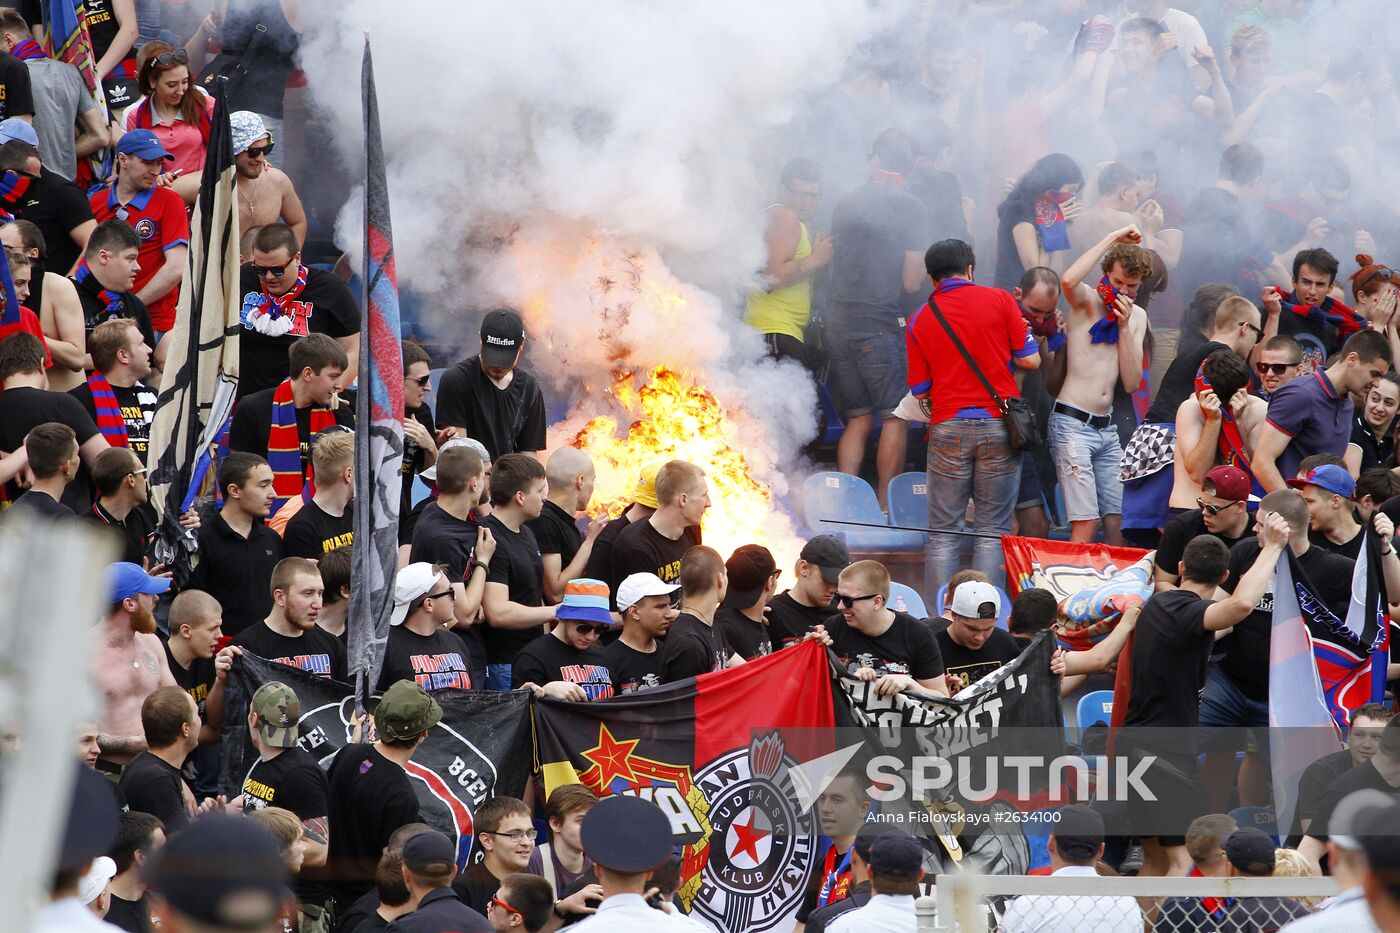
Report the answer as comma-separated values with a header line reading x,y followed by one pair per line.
x,y
972,364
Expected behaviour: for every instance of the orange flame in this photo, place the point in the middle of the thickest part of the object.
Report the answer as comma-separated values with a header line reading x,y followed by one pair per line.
x,y
676,419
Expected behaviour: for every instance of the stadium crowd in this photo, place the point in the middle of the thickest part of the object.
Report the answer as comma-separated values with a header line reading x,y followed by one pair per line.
x,y
1140,318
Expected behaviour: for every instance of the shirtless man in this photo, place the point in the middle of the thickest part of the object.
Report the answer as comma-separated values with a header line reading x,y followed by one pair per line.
x,y
1104,345
129,663
265,194
1206,436
60,311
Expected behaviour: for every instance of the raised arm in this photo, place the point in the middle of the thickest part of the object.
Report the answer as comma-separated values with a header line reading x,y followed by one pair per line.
x,y
1273,535
1076,292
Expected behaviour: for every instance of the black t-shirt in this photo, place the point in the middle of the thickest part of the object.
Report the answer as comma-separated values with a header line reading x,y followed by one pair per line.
x,y
41,504
789,620
132,916
236,570
414,459
906,647
876,224
547,659
252,423
96,311
1179,532
315,651
1363,777
633,670
1374,453
196,680
1350,549
693,648
441,538
16,91
293,781
150,785
506,420
313,531
556,533
640,548
325,306
1179,383
435,662
969,665
1312,786
57,207
1246,660
748,638
476,886
516,563
22,409
369,797
600,558
138,407
1170,650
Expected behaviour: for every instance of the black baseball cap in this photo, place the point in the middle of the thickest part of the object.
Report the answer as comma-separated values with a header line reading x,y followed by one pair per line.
x,y
502,335
430,853
1251,851
1078,831
223,871
749,568
626,834
896,854
829,553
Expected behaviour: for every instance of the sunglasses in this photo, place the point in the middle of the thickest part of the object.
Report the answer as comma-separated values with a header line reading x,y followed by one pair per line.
x,y
1258,331
1214,509
1382,273
422,381
439,595
849,602
497,902
588,628
172,58
1278,369
257,152
140,472
263,271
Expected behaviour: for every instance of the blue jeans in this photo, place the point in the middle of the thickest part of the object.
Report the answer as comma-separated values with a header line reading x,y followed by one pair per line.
x,y
1226,711
1087,461
969,458
498,677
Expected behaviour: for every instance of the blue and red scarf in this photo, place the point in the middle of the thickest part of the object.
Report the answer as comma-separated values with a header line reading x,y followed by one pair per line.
x,y
27,50
109,413
289,473
274,305
111,300
1047,327
12,188
1050,221
1330,312
1105,330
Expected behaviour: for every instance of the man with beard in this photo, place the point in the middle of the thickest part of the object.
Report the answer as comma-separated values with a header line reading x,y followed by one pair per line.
x,y
114,396
237,551
289,634
128,662
635,658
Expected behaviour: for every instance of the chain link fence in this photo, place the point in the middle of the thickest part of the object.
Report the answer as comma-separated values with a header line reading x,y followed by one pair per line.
x,y
1077,904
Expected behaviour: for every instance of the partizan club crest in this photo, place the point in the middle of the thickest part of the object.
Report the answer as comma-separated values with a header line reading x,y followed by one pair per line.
x,y
747,847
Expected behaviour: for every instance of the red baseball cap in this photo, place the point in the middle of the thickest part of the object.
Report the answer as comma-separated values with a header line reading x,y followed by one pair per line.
x,y
1230,483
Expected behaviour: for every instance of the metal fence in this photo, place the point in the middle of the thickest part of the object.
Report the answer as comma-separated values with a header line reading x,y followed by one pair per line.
x,y
1019,903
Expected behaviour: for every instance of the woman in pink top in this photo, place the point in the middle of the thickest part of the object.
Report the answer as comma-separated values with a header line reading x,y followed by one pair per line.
x,y
176,111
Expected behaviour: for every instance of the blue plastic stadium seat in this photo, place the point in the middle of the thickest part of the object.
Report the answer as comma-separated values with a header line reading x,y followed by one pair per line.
x,y
1095,707
834,426
837,496
421,490
907,495
1261,818
907,599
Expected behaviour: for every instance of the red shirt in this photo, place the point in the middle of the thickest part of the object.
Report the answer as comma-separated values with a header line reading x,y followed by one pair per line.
x,y
29,323
159,219
990,326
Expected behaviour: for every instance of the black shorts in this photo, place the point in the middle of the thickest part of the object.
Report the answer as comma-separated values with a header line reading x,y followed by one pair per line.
x,y
1174,781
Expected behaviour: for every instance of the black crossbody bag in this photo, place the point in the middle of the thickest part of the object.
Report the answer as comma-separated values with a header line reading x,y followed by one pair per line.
x,y
1022,428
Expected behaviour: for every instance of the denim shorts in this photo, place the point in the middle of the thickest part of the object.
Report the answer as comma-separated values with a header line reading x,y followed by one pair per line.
x,y
1226,711
1029,495
1087,463
869,375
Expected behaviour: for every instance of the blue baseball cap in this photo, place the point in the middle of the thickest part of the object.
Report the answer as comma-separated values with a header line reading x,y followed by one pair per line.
x,y
125,580
143,144
15,128
1330,477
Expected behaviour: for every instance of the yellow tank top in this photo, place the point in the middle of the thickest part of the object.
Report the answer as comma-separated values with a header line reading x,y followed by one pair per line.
x,y
784,310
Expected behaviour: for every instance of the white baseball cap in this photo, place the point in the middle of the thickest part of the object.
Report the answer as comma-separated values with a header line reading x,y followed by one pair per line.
x,y
430,474
970,597
91,885
639,586
412,582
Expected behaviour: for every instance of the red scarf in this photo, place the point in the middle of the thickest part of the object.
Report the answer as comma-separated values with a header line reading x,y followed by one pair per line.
x,y
1105,330
290,474
1230,443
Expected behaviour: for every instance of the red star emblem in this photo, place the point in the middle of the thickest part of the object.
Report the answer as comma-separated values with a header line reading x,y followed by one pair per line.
x,y
613,758
746,836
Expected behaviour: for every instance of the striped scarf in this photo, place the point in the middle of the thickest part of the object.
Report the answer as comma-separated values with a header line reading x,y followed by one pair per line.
x,y
112,301
1330,312
28,49
109,414
289,475
12,188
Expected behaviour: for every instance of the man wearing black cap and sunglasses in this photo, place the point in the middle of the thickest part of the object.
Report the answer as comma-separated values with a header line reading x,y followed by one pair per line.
x,y
489,397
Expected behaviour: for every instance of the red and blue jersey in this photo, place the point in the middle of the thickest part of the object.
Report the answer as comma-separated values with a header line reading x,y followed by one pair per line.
x,y
159,219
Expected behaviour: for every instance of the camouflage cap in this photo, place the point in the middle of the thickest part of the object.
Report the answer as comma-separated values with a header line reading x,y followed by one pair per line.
x,y
279,712
405,712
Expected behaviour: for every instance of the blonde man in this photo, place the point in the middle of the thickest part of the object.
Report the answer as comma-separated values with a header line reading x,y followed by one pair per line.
x,y
327,521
